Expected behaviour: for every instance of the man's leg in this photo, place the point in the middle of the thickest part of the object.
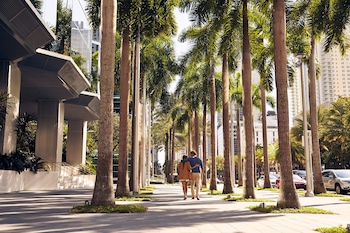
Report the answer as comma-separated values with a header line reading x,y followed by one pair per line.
x,y
198,179
192,186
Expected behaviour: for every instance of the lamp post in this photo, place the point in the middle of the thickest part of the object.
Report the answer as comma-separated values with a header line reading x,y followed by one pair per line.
x,y
308,168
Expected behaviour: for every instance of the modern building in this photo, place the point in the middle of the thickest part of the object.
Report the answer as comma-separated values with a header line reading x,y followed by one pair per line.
x,y
334,80
81,41
46,84
295,92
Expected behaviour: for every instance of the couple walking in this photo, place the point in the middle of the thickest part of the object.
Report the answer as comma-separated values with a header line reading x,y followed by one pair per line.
x,y
189,170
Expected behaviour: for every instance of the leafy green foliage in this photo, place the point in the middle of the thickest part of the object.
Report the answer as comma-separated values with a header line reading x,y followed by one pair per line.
x,y
21,161
345,199
241,199
26,127
277,210
109,209
328,195
133,198
3,105
338,229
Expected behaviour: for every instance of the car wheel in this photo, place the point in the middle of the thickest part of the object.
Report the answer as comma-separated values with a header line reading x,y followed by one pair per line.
x,y
338,189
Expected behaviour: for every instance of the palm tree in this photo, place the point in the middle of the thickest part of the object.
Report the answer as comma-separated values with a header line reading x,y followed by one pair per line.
x,y
104,190
335,133
204,50
228,17
288,197
63,29
309,20
263,63
248,181
237,97
338,23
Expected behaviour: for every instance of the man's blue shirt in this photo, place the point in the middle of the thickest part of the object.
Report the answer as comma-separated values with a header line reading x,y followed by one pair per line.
x,y
193,161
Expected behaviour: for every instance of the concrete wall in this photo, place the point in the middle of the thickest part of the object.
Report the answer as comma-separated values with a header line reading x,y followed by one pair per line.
x,y
11,181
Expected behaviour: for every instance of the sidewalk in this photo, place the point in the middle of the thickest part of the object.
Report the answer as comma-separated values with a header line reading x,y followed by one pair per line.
x,y
47,211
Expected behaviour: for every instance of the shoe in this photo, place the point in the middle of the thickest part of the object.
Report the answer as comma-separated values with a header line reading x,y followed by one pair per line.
x,y
185,198
197,198
192,197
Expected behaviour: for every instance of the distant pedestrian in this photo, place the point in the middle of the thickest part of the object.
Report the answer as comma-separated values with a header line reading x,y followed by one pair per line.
x,y
184,174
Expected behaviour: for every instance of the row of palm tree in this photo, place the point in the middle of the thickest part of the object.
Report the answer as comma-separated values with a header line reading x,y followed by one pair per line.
x,y
212,20
208,16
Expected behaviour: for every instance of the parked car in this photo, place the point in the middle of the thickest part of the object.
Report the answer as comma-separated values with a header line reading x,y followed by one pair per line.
x,y
299,182
261,180
337,179
301,173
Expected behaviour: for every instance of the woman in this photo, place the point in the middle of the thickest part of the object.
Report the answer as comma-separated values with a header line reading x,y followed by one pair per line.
x,y
184,171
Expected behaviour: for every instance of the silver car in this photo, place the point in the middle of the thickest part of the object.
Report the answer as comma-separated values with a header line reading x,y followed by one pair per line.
x,y
337,179
261,180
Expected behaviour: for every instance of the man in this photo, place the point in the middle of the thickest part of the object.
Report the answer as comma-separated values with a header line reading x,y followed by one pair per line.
x,y
196,167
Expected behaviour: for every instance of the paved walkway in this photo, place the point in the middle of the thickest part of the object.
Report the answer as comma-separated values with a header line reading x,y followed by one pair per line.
x,y
47,211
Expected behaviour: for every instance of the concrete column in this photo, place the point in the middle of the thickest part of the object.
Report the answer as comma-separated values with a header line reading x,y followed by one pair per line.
x,y
10,83
49,136
76,142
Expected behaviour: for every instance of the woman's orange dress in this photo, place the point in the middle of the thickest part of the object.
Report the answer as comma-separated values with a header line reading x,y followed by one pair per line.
x,y
184,171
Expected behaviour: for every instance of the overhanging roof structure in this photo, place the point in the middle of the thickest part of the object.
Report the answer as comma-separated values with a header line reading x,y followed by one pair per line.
x,y
49,75
52,76
22,30
85,107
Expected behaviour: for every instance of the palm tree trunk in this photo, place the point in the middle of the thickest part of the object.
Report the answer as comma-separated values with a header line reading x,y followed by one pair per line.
x,y
172,153
204,175
288,197
239,150
267,183
104,190
167,157
213,185
189,127
193,131
136,119
123,180
196,132
226,126
248,181
316,158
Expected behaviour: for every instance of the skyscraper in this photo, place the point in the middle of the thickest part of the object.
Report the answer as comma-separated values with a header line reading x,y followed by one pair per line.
x,y
82,43
335,75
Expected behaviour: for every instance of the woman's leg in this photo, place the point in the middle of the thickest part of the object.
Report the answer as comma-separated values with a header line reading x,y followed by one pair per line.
x,y
184,189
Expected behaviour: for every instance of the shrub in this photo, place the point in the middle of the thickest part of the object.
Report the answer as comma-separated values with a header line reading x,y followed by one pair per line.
x,y
20,161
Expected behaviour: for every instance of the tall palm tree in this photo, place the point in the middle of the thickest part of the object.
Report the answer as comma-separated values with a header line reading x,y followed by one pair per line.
x,y
236,97
263,62
123,180
308,20
228,17
337,25
104,190
288,197
248,181
204,39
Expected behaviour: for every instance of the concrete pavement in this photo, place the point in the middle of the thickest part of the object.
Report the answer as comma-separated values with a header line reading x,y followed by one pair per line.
x,y
47,211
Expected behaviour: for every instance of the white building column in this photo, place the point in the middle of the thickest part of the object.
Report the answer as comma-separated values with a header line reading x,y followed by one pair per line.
x,y
10,82
49,136
76,142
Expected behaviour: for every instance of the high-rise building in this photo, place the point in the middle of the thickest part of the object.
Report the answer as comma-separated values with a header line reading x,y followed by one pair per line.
x,y
295,92
81,41
335,75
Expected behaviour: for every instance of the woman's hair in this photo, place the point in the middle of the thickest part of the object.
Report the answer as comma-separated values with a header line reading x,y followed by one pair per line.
x,y
193,152
184,156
